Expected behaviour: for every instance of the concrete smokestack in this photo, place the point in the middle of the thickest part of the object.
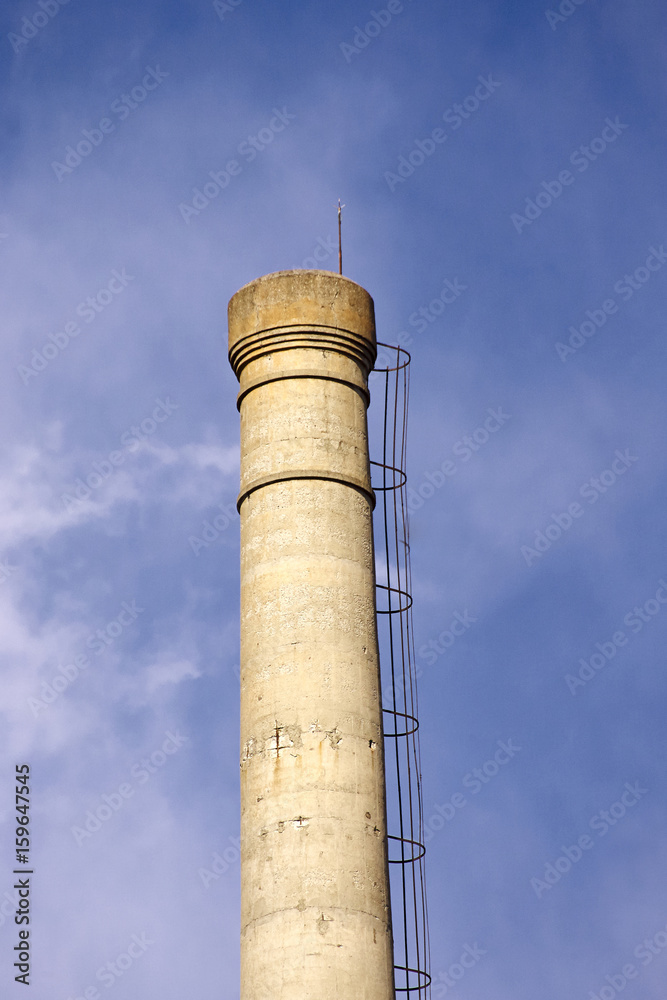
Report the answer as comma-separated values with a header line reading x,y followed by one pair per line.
x,y
315,911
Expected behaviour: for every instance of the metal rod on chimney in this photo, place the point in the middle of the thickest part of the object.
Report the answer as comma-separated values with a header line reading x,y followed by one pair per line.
x,y
340,240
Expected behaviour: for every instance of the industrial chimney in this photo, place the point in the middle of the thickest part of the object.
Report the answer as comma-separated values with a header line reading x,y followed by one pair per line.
x,y
315,910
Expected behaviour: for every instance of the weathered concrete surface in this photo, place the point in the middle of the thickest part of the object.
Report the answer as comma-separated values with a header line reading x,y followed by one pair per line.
x,y
315,915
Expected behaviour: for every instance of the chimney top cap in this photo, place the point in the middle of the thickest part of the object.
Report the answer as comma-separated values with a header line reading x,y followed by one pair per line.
x,y
321,301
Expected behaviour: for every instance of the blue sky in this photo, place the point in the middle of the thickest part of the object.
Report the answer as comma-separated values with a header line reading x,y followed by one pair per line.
x,y
530,217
